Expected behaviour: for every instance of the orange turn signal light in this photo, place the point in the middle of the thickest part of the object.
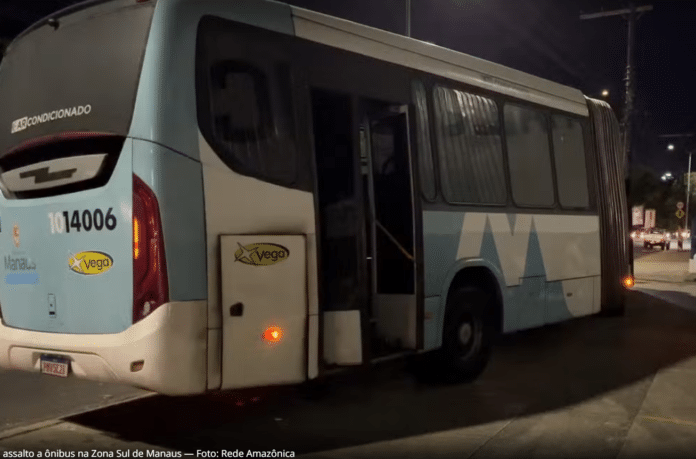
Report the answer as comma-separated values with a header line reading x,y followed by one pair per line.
x,y
136,238
628,282
273,334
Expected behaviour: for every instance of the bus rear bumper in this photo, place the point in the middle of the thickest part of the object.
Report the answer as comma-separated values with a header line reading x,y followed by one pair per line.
x,y
171,342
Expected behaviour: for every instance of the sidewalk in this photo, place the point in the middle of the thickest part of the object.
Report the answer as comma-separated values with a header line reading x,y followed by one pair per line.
x,y
662,272
659,276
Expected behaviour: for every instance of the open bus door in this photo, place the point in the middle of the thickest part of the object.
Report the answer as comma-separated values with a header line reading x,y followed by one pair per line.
x,y
391,228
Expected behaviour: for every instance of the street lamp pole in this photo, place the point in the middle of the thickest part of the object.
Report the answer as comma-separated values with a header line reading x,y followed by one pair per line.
x,y
408,18
688,192
688,174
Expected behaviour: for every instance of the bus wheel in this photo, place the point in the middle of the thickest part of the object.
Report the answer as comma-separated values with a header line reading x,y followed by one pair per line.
x,y
467,336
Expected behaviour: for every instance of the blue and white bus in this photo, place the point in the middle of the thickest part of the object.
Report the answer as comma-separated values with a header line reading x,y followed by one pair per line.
x,y
210,195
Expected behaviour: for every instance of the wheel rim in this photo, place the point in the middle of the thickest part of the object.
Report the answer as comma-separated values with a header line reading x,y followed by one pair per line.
x,y
468,337
466,332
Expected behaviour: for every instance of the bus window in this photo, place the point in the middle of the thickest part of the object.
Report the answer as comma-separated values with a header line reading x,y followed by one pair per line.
x,y
569,156
245,102
529,156
424,153
469,148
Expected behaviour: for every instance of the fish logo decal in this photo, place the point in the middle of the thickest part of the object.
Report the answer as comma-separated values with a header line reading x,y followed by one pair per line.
x,y
261,254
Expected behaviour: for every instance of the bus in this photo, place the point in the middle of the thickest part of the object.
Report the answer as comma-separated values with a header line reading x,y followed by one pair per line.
x,y
203,196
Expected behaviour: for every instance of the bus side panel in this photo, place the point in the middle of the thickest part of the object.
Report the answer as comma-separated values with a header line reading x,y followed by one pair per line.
x,y
74,274
177,182
239,204
550,258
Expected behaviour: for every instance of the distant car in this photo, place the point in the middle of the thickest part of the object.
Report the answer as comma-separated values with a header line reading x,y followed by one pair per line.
x,y
637,234
656,237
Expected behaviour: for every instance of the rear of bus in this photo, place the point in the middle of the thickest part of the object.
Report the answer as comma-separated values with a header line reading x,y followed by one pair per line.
x,y
85,290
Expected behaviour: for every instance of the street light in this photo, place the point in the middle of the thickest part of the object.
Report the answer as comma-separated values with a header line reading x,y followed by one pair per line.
x,y
605,92
688,193
670,146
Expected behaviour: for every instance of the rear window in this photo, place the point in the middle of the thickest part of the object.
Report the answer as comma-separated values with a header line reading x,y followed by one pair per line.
x,y
79,74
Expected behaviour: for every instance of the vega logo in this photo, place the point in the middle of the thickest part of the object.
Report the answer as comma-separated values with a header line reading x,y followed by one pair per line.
x,y
90,263
261,254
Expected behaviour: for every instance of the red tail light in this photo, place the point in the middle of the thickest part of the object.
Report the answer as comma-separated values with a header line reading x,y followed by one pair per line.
x,y
150,284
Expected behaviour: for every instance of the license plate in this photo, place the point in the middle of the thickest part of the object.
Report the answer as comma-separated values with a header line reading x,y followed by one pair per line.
x,y
55,366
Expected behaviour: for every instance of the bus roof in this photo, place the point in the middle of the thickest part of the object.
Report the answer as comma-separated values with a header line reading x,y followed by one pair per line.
x,y
405,51
416,54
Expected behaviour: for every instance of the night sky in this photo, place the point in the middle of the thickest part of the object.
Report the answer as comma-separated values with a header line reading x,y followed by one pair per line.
x,y
541,37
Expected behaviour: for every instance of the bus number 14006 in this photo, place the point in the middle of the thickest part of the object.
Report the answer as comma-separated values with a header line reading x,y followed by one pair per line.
x,y
85,220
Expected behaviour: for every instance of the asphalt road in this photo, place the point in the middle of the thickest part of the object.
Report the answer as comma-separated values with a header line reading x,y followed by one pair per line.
x,y
26,398
639,251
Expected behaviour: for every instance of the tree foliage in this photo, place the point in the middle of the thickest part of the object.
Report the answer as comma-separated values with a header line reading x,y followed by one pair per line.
x,y
649,191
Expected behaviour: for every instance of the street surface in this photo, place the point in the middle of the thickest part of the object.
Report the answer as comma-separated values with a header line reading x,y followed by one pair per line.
x,y
593,387
26,398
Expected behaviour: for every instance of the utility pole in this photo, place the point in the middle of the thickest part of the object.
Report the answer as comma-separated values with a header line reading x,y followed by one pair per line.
x,y
408,18
631,14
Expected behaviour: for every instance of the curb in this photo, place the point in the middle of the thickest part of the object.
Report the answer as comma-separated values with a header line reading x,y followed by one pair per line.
x,y
5,434
686,281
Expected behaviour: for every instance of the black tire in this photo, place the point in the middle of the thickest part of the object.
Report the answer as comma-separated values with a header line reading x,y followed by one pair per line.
x,y
467,336
617,305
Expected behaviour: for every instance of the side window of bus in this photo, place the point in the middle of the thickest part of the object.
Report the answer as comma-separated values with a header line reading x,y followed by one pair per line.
x,y
569,155
529,156
425,155
240,103
469,147
251,116
245,102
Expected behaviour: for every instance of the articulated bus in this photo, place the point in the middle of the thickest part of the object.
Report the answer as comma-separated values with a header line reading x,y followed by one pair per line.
x,y
212,195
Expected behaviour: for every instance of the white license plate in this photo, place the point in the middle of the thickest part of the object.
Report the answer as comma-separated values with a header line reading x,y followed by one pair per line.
x,y
55,366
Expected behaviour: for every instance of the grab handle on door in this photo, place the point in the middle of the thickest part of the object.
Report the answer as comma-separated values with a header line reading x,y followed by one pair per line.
x,y
237,309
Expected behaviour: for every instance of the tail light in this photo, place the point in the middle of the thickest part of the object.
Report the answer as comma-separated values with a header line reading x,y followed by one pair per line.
x,y
150,284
